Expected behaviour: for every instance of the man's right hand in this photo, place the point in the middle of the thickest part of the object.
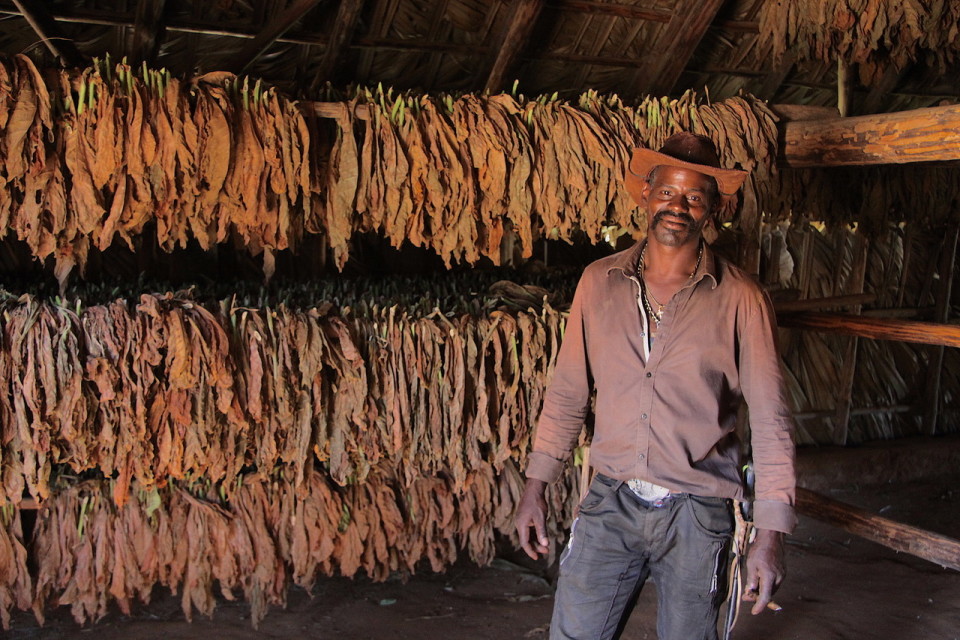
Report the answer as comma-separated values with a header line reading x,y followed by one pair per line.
x,y
532,512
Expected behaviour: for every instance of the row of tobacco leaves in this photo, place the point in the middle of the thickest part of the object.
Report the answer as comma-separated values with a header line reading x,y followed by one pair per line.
x,y
199,445
91,157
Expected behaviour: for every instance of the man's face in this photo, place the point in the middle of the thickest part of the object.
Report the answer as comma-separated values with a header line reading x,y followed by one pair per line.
x,y
679,202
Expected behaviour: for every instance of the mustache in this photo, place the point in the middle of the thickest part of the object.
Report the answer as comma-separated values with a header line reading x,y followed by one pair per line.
x,y
686,218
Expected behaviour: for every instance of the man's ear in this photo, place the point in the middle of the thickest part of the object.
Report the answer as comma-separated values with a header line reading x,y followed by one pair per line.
x,y
645,192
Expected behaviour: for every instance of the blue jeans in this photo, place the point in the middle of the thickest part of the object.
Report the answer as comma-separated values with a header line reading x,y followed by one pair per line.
x,y
618,541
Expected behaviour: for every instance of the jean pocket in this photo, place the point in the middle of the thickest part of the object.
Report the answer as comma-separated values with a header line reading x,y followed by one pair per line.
x,y
600,489
712,516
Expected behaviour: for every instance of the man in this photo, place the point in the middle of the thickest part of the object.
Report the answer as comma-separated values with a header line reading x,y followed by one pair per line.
x,y
672,338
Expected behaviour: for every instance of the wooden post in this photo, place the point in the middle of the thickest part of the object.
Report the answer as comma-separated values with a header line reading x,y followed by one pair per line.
x,y
934,547
806,260
843,88
858,273
948,261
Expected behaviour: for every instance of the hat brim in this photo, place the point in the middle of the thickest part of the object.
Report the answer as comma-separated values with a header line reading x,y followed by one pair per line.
x,y
644,161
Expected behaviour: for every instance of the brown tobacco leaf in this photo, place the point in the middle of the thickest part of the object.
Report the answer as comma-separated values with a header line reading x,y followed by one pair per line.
x,y
16,585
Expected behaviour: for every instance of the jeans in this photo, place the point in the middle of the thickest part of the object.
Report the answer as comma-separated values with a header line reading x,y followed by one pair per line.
x,y
618,541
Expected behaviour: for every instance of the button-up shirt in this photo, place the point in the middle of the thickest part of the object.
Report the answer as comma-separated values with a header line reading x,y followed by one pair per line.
x,y
667,414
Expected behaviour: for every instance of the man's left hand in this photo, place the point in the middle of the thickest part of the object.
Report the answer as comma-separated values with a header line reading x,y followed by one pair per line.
x,y
765,569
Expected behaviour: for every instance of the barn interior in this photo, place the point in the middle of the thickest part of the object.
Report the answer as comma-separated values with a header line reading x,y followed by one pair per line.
x,y
284,280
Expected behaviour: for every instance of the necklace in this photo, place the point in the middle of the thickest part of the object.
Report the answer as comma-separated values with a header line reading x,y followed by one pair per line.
x,y
657,314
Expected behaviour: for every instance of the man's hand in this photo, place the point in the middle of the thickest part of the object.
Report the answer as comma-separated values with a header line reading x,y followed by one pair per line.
x,y
765,569
532,513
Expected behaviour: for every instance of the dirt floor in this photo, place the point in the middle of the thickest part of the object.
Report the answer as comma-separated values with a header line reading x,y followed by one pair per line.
x,y
838,587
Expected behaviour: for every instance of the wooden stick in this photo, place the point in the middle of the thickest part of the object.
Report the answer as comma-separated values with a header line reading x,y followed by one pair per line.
x,y
919,135
45,25
879,329
811,304
905,538
947,263
275,28
864,411
858,274
522,18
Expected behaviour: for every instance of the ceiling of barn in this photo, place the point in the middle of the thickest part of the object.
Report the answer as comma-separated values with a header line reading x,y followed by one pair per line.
x,y
628,47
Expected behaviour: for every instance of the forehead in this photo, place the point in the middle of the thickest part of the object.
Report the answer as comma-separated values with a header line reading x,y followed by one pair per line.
x,y
682,177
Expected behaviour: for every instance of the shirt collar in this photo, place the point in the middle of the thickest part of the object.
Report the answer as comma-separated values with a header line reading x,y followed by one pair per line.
x,y
627,261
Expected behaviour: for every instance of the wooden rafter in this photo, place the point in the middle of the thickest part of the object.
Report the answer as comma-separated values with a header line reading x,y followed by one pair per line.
x,y
147,31
676,43
596,47
920,135
45,25
344,26
522,18
383,14
269,34
614,9
437,22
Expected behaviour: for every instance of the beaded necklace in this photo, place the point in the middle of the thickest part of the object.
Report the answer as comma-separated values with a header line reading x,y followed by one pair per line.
x,y
657,315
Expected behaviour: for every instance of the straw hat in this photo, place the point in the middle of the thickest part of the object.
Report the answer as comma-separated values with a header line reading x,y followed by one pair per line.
x,y
687,151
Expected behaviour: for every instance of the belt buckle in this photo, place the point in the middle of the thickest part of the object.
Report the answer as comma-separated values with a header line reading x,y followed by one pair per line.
x,y
662,502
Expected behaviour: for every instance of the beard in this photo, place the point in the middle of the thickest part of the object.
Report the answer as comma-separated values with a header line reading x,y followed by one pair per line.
x,y
675,237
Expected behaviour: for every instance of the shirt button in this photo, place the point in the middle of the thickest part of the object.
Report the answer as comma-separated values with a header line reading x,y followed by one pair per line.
x,y
641,456
649,374
643,416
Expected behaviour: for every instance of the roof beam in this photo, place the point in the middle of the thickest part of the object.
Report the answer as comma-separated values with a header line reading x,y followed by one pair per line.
x,y
344,26
147,31
522,19
677,42
919,135
614,9
269,34
36,14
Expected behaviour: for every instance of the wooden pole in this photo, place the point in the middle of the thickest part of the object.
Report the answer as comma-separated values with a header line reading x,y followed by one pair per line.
x,y
848,374
879,329
947,264
861,411
934,547
811,304
522,20
919,135
843,88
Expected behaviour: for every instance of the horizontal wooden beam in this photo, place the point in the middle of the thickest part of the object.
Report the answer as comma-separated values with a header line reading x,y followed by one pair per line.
x,y
936,548
45,25
947,335
811,304
860,411
613,9
271,31
920,135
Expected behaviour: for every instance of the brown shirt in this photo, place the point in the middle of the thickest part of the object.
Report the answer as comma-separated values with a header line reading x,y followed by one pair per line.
x,y
669,418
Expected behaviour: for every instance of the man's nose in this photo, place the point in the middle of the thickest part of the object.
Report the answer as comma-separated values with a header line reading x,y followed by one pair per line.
x,y
678,203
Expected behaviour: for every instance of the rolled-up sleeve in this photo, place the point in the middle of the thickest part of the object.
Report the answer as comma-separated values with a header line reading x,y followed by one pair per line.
x,y
567,400
771,424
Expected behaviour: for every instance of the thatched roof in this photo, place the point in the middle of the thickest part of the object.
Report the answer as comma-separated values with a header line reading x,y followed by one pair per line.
x,y
898,55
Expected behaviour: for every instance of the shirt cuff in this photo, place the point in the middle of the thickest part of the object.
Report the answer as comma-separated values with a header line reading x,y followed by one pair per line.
x,y
778,516
540,466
